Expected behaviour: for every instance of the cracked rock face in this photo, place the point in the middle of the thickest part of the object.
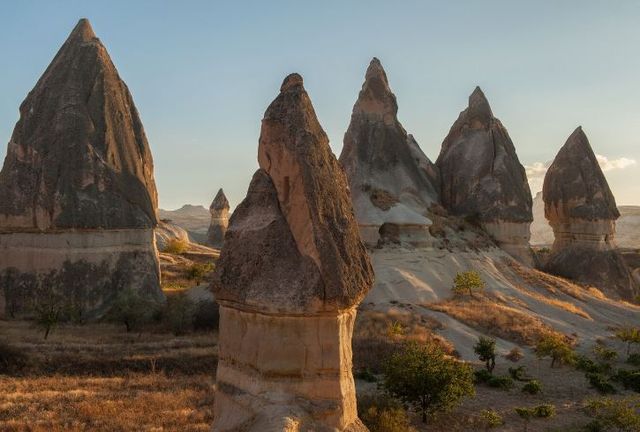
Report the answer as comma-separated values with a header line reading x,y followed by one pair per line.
x,y
391,179
219,210
78,165
482,178
290,276
582,211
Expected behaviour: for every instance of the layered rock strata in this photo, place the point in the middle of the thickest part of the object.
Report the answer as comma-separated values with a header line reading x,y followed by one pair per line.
x,y
77,194
219,210
290,276
483,180
391,180
582,212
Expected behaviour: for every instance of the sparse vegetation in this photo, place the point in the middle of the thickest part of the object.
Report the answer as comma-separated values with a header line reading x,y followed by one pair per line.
x,y
555,347
604,354
422,376
179,313
532,387
176,247
600,382
485,348
197,271
502,382
490,419
381,413
131,309
613,414
468,282
540,411
630,336
515,355
519,374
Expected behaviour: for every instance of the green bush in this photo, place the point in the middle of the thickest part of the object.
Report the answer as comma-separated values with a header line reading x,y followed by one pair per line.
x,y
604,354
468,282
600,382
634,359
629,379
485,348
131,309
544,411
482,376
423,377
490,419
585,364
556,347
519,374
197,272
613,414
381,413
532,387
503,382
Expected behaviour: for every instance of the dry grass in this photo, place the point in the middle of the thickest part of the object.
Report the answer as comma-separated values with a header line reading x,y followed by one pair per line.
x,y
495,319
376,335
175,269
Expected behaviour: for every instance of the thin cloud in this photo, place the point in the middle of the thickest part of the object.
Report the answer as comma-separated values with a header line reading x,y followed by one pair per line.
x,y
537,170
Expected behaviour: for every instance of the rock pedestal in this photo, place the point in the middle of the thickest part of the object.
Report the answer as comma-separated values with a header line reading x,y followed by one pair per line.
x,y
582,212
290,276
219,210
483,180
391,180
77,195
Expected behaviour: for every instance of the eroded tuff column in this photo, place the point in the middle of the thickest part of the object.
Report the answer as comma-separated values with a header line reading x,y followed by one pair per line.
x,y
582,212
290,276
392,181
219,210
77,194
482,178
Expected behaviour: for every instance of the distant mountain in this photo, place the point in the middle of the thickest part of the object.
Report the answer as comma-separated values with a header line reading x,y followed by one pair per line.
x,y
627,226
193,218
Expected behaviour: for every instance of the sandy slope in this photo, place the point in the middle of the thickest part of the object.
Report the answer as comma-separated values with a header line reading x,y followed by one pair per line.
x,y
418,277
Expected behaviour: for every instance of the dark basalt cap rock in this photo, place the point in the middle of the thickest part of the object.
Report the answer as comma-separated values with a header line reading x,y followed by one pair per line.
x,y
480,172
575,187
378,154
220,202
297,220
78,156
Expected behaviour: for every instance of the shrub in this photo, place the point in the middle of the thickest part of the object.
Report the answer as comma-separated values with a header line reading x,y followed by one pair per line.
x,y
482,376
365,375
486,351
628,335
519,374
179,313
585,364
600,382
381,413
206,315
422,376
544,411
197,272
467,283
502,382
556,347
490,419
613,414
634,359
176,247
604,354
515,355
131,309
629,379
532,387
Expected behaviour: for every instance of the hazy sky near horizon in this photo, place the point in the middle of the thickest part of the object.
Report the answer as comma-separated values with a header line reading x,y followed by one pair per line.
x,y
203,72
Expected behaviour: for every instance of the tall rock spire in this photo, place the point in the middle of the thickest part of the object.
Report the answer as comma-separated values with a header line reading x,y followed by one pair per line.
x,y
482,177
582,211
77,182
219,210
290,276
391,179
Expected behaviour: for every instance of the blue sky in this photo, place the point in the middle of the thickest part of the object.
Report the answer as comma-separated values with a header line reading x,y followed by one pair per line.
x,y
203,72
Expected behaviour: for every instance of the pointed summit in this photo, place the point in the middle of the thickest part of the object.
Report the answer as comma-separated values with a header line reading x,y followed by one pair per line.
x,y
483,178
220,202
82,32
391,179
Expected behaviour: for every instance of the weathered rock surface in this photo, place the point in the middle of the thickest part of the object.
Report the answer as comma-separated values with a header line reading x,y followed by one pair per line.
x,y
219,210
166,232
77,194
482,178
290,276
391,179
582,212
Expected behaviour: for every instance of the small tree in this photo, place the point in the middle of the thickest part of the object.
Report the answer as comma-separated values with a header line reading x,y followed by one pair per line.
x,y
48,307
467,283
130,309
490,419
197,272
423,377
486,351
629,335
556,347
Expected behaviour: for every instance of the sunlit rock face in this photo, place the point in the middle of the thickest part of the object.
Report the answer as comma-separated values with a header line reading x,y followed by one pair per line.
x,y
219,210
482,178
391,179
77,194
582,212
290,276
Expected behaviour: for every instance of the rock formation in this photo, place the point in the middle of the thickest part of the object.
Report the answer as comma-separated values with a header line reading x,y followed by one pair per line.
x,y
219,210
483,180
582,212
290,276
166,231
391,179
77,195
